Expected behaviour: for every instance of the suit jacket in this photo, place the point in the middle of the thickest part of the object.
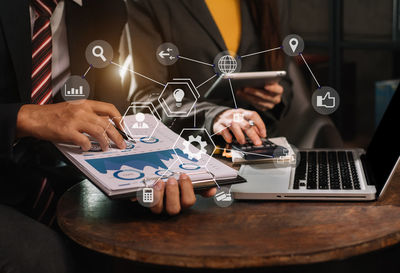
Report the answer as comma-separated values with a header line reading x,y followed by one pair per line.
x,y
189,25
96,19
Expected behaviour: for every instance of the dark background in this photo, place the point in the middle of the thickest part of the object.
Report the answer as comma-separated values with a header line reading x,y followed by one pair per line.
x,y
350,44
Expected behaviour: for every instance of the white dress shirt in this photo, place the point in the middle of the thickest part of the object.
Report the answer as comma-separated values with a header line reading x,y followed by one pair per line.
x,y
60,55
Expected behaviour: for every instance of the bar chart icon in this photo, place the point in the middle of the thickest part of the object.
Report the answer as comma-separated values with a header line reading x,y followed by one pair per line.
x,y
75,89
74,92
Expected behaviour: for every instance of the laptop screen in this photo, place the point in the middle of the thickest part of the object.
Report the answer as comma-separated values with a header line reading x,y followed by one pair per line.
x,y
384,149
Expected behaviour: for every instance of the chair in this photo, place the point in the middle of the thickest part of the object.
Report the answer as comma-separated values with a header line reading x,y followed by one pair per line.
x,y
302,126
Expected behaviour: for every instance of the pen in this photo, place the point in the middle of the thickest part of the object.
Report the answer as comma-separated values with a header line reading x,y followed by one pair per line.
x,y
124,135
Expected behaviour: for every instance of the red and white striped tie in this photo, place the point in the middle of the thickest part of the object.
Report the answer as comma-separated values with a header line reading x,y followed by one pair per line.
x,y
45,202
42,52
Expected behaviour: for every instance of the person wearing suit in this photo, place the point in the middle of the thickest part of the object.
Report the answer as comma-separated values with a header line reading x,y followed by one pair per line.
x,y
42,43
201,29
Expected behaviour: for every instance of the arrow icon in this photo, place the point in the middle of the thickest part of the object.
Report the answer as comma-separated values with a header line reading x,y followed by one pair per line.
x,y
169,49
162,54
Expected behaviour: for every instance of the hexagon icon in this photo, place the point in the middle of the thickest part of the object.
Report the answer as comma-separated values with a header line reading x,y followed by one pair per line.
x,y
140,120
178,98
192,147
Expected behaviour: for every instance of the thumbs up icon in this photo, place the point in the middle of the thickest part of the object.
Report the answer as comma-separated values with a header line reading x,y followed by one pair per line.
x,y
326,101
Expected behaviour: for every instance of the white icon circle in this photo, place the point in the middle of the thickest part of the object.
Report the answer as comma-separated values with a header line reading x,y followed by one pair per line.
x,y
227,64
98,52
291,159
325,100
167,54
148,197
293,44
75,89
223,198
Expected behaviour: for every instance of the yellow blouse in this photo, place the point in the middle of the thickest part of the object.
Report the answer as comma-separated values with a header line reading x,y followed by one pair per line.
x,y
226,14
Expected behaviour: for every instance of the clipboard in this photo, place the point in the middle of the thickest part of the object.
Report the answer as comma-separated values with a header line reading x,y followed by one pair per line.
x,y
122,173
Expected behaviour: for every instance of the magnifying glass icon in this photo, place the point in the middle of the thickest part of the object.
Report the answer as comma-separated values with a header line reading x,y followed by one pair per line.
x,y
98,52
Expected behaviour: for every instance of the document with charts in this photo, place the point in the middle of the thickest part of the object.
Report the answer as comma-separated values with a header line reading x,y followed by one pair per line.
x,y
158,155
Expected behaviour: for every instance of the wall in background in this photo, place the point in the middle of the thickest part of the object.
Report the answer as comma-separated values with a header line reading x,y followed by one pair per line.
x,y
367,53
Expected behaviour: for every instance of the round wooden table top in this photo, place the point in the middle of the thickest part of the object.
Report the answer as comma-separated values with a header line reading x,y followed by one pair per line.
x,y
246,234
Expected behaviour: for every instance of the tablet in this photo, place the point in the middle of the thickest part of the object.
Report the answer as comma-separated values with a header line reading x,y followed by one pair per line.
x,y
248,79
265,75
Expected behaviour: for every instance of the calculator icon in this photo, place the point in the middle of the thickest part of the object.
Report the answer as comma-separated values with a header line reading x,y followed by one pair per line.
x,y
148,195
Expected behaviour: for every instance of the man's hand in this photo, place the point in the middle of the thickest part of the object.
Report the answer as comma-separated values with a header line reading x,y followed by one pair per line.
x,y
251,125
262,99
66,123
176,195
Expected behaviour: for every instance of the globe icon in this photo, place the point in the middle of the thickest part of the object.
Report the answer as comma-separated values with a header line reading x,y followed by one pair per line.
x,y
227,64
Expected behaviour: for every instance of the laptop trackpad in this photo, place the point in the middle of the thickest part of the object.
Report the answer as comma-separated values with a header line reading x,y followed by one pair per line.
x,y
261,178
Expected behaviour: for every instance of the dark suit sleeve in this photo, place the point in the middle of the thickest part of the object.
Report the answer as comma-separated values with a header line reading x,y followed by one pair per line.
x,y
8,123
287,97
108,85
146,34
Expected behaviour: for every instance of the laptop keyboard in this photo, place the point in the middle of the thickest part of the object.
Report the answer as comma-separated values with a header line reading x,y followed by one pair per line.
x,y
326,170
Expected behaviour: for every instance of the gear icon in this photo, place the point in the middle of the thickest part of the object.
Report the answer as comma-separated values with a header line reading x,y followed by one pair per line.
x,y
192,140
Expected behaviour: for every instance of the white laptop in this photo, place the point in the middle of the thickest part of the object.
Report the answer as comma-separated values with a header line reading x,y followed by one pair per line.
x,y
330,174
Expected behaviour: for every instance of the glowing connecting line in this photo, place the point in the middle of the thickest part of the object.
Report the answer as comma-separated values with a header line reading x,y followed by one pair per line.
x,y
206,81
309,69
136,73
233,94
196,61
194,116
87,71
220,130
167,170
261,52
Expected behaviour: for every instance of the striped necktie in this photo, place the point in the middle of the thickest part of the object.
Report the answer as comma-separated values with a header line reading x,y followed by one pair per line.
x,y
45,201
42,52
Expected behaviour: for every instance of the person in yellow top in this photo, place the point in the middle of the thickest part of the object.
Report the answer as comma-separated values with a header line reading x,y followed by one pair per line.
x,y
202,29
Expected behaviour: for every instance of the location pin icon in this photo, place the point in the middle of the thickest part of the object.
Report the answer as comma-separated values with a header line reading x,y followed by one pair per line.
x,y
293,44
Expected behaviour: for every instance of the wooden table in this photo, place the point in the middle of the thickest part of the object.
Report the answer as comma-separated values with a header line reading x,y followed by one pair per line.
x,y
246,234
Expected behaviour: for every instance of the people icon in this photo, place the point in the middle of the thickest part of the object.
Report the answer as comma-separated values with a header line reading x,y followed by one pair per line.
x,y
140,124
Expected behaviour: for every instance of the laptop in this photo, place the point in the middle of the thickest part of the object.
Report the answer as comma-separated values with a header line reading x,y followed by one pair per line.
x,y
331,174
